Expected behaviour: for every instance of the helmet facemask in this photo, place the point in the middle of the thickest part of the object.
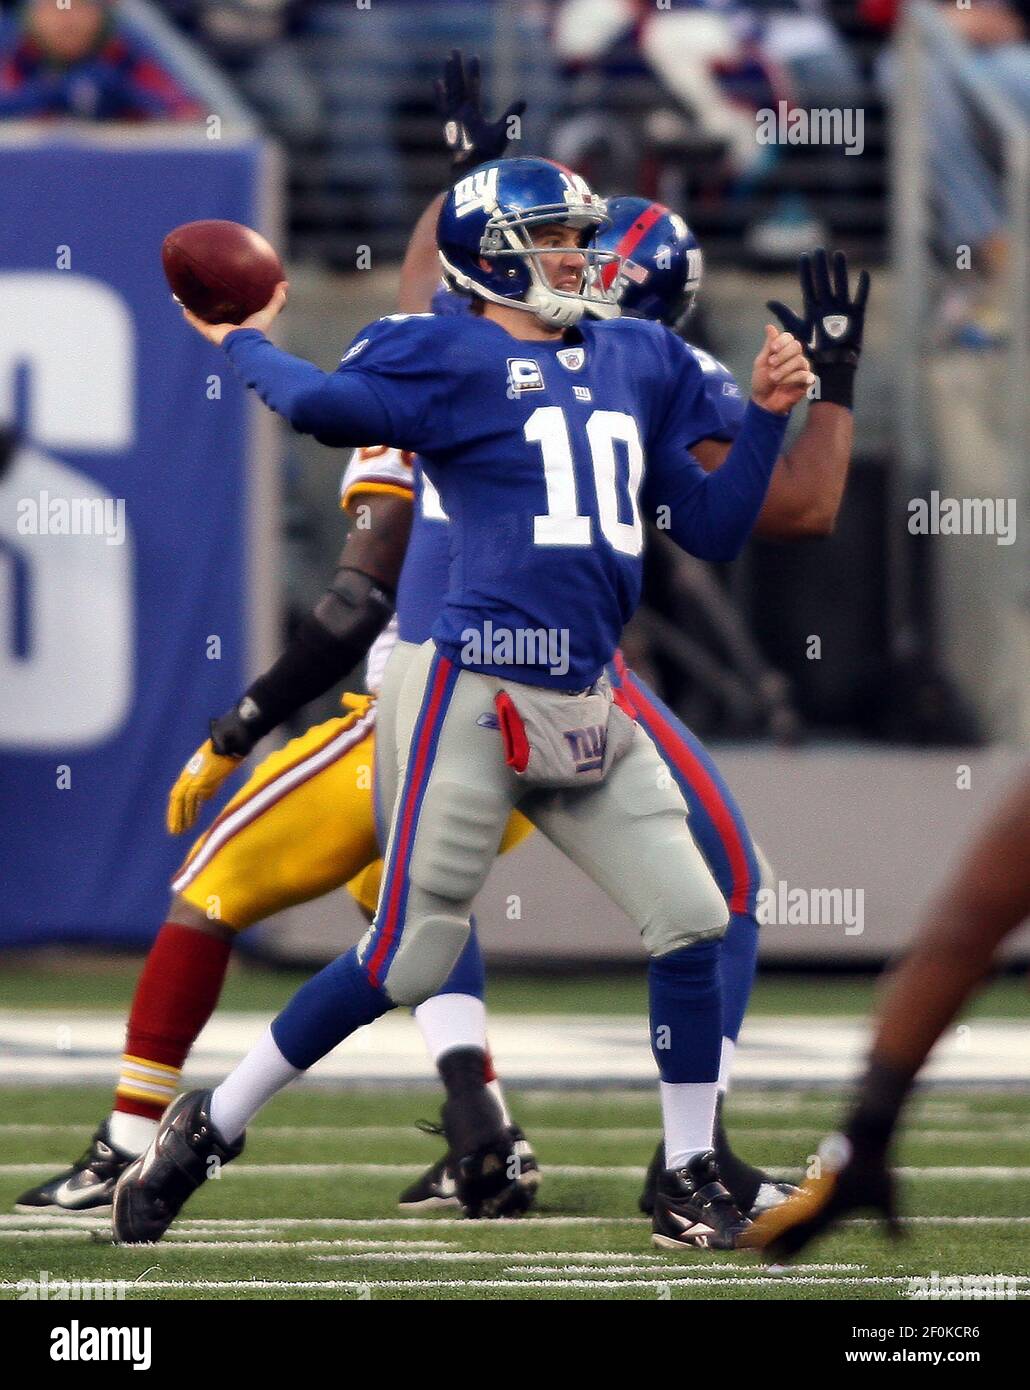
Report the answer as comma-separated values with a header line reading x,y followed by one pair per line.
x,y
508,236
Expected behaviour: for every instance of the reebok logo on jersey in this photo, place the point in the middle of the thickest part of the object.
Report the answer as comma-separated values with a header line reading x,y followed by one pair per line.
x,y
524,375
488,721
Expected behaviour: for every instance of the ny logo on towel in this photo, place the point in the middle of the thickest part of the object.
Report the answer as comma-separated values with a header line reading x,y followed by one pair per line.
x,y
587,747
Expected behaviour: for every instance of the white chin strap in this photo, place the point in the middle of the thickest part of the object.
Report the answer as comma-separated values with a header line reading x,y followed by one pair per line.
x,y
557,311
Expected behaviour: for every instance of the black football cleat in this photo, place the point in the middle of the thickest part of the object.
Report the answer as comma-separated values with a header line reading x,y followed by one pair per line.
x,y
752,1189
86,1188
435,1188
185,1152
693,1211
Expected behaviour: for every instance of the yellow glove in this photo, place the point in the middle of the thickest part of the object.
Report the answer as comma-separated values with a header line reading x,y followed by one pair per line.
x,y
197,782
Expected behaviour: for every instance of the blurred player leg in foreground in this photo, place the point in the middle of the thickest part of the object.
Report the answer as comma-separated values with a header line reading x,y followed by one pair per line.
x,y
987,900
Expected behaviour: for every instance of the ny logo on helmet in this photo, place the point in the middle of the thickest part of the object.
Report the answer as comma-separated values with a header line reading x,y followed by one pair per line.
x,y
476,192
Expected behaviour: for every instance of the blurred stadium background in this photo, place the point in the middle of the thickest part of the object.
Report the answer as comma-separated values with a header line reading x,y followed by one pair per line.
x,y
867,694
863,762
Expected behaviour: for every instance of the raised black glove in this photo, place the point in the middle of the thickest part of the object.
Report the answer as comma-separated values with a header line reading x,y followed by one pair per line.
x,y
832,324
469,136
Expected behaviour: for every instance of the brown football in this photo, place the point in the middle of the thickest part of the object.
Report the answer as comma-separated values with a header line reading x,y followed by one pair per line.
x,y
222,271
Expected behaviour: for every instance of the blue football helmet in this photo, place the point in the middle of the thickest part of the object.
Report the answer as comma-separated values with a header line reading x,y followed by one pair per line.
x,y
491,213
659,273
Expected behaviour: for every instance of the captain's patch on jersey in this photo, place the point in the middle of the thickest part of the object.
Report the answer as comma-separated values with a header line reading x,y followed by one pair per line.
x,y
524,375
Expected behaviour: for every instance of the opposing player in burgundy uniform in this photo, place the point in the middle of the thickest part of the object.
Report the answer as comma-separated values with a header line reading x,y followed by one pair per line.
x,y
544,434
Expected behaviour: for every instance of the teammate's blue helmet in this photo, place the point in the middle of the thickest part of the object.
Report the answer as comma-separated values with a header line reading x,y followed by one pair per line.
x,y
491,213
659,273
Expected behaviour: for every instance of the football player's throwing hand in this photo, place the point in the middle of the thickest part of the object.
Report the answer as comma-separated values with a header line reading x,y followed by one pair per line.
x,y
781,373
850,1180
197,782
262,320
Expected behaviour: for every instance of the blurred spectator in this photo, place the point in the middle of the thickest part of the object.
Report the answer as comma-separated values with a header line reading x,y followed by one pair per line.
x,y
252,41
722,60
81,62
968,197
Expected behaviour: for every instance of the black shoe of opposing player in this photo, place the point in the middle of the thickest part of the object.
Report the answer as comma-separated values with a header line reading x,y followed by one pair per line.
x,y
86,1187
694,1211
186,1150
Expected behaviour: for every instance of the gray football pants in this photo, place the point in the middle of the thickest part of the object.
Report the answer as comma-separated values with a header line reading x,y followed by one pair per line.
x,y
452,793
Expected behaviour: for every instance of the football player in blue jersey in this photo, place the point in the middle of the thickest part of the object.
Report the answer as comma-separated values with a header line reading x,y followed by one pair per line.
x,y
543,433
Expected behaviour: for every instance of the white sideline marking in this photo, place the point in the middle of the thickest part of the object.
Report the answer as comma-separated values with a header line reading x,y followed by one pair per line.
x,y
644,1134
536,1049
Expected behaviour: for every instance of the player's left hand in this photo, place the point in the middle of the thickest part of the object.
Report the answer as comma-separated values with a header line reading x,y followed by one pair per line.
x,y
217,332
833,320
781,374
849,1181
197,782
469,136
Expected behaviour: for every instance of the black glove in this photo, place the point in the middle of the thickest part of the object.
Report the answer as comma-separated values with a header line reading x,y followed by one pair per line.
x,y
855,1177
469,136
832,325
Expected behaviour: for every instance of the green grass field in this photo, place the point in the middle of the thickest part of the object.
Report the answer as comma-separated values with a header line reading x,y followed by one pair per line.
x,y
309,1211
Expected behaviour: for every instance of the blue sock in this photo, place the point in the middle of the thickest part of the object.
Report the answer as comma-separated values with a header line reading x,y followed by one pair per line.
x,y
686,1012
332,1005
738,960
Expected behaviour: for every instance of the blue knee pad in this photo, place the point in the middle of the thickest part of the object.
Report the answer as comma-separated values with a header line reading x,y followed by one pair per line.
x,y
685,992
333,1004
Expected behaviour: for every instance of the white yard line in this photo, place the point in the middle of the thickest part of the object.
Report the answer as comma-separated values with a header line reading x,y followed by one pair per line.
x,y
986,1173
363,1285
46,1225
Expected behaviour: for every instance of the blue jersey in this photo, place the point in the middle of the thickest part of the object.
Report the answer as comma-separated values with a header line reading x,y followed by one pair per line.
x,y
537,451
424,577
